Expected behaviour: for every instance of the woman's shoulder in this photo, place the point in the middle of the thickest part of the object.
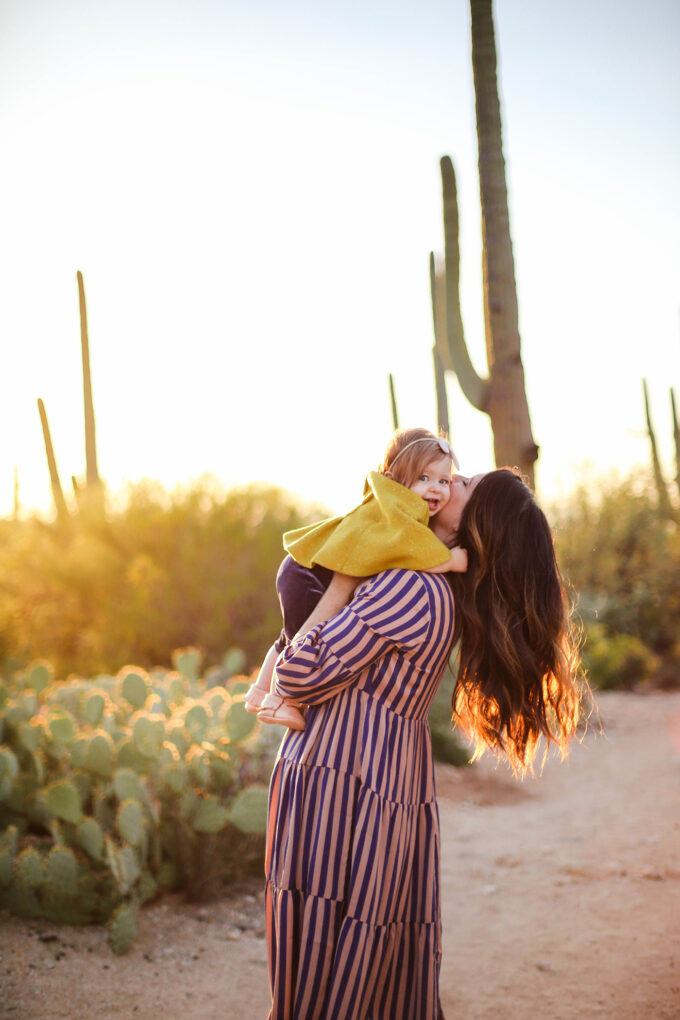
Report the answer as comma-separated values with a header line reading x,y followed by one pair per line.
x,y
398,579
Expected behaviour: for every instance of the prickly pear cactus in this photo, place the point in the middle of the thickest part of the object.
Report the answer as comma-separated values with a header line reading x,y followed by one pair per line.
x,y
133,781
122,928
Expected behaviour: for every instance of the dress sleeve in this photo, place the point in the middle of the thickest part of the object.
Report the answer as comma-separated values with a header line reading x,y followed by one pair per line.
x,y
390,612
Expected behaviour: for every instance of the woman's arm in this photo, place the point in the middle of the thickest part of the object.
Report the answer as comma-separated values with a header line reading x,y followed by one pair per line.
x,y
391,611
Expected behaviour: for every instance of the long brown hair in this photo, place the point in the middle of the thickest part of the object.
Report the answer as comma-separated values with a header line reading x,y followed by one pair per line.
x,y
517,675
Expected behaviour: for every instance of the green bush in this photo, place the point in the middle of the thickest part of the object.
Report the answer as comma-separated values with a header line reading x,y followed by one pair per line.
x,y
447,746
616,661
622,559
162,571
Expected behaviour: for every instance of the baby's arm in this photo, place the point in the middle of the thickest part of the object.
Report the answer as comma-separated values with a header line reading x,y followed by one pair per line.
x,y
457,562
337,595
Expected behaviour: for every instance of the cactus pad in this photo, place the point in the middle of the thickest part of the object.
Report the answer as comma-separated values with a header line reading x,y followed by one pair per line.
x,y
199,764
210,816
62,728
62,801
122,928
134,686
249,810
239,723
177,735
78,752
130,821
176,777
94,707
147,887
29,736
129,757
23,901
127,784
148,735
187,661
91,837
196,721
177,688
39,676
29,868
233,661
61,872
99,754
222,770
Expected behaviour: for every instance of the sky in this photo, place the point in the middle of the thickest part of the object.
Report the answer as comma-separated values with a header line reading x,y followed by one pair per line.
x,y
252,190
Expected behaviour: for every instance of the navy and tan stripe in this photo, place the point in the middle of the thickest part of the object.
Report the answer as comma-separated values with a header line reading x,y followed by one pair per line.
x,y
352,862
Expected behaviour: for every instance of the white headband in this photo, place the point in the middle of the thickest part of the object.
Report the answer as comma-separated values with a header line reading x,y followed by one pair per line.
x,y
443,445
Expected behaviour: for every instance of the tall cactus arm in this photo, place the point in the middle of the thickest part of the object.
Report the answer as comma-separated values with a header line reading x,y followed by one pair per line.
x,y
473,386
438,320
676,438
500,291
57,492
665,508
393,403
92,474
440,391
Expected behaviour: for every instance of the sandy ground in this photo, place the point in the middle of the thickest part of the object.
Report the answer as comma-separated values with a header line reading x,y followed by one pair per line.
x,y
561,899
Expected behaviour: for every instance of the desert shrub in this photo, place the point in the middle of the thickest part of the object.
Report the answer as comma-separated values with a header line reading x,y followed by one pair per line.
x,y
618,661
447,744
622,560
161,570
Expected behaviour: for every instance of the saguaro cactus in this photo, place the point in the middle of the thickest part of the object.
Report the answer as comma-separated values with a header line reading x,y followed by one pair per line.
x,y
665,508
502,395
438,315
57,492
92,474
676,438
393,403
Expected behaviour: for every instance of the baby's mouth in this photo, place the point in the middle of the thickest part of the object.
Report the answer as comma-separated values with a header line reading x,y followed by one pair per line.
x,y
433,505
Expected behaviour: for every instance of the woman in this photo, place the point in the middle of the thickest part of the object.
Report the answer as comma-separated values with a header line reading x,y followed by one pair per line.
x,y
352,861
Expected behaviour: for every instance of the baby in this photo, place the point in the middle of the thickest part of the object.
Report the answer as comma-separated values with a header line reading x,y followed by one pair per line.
x,y
388,529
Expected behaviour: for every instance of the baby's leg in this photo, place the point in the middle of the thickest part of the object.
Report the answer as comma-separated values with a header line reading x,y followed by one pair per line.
x,y
270,707
257,691
336,596
276,709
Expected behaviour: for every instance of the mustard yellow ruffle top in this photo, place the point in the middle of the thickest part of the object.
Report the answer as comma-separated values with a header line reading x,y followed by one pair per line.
x,y
388,529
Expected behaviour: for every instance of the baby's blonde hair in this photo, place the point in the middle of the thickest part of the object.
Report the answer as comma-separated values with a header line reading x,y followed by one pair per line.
x,y
405,465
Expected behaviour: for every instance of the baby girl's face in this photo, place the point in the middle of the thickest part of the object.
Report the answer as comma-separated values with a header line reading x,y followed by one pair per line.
x,y
433,483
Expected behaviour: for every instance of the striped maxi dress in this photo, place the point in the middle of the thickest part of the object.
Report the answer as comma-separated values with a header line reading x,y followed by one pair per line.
x,y
352,859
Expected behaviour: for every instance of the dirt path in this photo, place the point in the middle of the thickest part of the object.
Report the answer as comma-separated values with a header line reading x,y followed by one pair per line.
x,y
561,900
